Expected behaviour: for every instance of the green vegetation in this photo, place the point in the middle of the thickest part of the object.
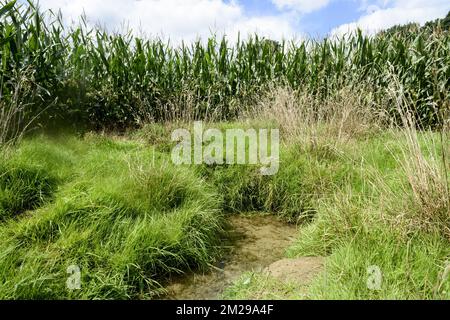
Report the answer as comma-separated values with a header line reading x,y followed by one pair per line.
x,y
258,286
129,219
125,220
364,163
89,77
370,219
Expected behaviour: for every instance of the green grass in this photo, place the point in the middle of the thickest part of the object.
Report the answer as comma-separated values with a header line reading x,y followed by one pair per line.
x,y
117,208
365,219
31,174
243,187
260,286
410,268
289,193
22,189
127,218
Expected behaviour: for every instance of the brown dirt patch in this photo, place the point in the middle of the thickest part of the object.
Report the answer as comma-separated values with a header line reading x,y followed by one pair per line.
x,y
300,271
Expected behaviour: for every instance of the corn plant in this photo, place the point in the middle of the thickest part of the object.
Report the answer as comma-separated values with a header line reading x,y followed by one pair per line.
x,y
90,76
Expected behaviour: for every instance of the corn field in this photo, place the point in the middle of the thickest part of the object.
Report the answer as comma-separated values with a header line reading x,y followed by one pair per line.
x,y
89,76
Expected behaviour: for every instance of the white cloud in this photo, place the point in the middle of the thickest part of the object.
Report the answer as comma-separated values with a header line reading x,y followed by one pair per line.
x,y
302,6
270,26
388,13
175,19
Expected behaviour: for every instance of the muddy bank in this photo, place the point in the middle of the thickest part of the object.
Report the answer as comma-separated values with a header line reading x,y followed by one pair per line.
x,y
255,242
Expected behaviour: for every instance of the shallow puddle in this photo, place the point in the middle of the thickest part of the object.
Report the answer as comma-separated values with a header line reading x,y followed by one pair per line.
x,y
256,242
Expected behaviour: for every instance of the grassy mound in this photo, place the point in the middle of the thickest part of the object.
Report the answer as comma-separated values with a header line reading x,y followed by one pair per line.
x,y
371,220
125,217
288,194
23,189
30,175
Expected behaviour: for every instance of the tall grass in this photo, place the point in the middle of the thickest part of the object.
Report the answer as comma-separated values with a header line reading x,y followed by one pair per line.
x,y
126,219
427,170
119,80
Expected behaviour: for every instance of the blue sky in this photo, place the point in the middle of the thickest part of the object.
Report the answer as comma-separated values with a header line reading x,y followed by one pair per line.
x,y
189,19
334,14
317,23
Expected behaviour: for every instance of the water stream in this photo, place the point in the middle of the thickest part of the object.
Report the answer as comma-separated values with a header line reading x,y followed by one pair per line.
x,y
257,241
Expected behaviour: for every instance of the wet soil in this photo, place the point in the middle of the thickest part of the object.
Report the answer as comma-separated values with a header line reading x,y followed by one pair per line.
x,y
255,242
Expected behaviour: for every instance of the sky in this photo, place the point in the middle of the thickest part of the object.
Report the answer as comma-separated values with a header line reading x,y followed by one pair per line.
x,y
188,20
